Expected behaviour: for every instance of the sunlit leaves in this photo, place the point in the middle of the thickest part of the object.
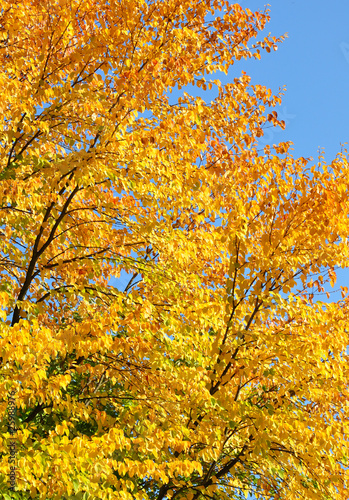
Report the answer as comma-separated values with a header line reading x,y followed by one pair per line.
x,y
158,268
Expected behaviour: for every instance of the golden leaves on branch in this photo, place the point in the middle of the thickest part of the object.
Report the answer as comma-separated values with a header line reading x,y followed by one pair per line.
x,y
158,268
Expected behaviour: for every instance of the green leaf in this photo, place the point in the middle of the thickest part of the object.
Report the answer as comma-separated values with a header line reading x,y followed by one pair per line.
x,y
76,485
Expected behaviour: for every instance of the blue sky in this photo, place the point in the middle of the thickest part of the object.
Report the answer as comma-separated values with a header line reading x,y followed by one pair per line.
x,y
313,64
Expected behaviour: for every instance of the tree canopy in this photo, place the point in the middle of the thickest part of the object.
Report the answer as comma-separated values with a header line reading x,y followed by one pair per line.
x,y
214,373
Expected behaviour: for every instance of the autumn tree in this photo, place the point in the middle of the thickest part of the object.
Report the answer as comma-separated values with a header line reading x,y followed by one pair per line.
x,y
213,373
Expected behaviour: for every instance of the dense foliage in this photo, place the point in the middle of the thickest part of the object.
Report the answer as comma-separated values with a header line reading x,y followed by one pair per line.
x,y
214,372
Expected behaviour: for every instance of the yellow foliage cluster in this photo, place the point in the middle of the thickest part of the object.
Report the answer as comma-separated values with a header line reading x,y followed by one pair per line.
x,y
213,373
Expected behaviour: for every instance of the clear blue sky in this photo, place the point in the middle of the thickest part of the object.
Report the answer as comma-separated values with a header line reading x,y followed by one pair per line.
x,y
313,64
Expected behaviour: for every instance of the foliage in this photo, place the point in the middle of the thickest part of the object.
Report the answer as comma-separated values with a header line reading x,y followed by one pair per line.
x,y
213,373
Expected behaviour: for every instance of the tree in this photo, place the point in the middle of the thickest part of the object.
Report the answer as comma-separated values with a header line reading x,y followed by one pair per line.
x,y
213,373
